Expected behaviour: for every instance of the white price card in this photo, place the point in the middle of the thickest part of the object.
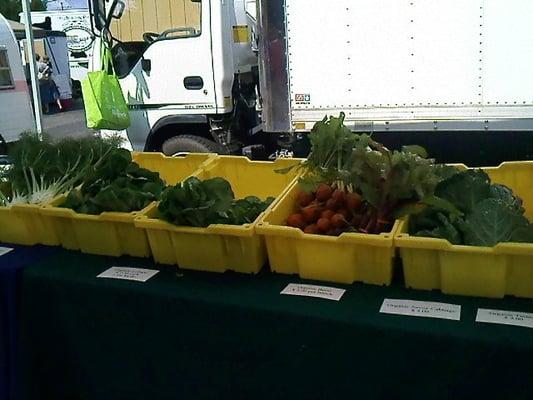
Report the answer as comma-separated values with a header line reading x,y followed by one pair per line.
x,y
421,309
322,292
5,250
505,317
127,273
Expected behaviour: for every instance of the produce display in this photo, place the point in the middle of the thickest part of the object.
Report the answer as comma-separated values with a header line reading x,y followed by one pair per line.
x,y
115,183
350,183
42,169
200,203
354,177
467,209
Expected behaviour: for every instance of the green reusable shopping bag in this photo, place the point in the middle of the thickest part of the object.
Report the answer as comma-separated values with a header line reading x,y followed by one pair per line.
x,y
105,107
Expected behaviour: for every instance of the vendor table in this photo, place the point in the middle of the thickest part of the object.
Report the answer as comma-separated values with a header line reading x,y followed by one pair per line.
x,y
11,265
192,335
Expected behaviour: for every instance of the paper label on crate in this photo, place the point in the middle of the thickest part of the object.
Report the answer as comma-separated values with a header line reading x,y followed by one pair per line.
x,y
127,273
505,317
421,309
322,292
5,250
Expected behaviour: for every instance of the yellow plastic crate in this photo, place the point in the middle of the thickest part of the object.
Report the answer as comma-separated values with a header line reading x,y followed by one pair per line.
x,y
219,247
172,169
505,269
114,233
348,258
13,228
23,224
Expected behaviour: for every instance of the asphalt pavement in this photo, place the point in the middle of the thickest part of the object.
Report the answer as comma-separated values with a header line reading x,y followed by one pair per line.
x,y
68,123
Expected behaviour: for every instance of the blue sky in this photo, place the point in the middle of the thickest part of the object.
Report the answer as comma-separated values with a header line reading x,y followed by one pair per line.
x,y
66,4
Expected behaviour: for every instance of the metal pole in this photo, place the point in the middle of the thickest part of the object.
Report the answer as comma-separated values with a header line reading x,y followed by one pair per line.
x,y
33,67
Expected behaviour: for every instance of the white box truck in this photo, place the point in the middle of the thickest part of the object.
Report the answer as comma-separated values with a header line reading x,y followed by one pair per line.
x,y
16,115
194,72
54,45
77,26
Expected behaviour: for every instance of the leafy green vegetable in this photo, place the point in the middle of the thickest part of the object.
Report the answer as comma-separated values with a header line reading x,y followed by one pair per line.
x,y
505,194
115,183
386,177
444,171
437,225
464,190
195,202
331,152
42,169
523,234
245,211
390,180
472,211
202,203
491,222
387,180
442,205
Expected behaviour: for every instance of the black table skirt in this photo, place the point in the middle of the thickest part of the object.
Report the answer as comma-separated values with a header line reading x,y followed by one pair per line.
x,y
192,335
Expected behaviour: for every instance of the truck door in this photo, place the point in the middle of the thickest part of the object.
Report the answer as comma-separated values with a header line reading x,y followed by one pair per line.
x,y
164,58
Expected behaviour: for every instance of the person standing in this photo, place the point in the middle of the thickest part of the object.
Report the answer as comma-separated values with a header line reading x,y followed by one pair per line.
x,y
44,73
53,86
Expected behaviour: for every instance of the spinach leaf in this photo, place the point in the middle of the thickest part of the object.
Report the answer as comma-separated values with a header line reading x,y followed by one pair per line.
x,y
245,211
202,203
195,202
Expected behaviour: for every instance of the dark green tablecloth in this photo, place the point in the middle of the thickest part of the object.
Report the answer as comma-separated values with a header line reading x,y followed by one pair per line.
x,y
209,336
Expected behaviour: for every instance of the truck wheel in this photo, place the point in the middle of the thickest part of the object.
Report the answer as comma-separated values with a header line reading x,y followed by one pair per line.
x,y
3,147
191,144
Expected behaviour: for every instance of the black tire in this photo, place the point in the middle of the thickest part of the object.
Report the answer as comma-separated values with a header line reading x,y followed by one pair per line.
x,y
191,144
3,146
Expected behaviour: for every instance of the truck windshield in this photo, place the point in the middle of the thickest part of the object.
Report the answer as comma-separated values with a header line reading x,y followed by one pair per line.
x,y
149,20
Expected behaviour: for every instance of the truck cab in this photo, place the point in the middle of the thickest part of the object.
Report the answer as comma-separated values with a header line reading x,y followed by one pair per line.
x,y
188,71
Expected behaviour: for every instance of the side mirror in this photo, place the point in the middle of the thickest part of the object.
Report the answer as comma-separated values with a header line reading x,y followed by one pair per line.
x,y
102,20
116,11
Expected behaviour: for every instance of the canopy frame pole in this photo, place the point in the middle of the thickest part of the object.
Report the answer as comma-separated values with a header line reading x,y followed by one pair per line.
x,y
26,9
